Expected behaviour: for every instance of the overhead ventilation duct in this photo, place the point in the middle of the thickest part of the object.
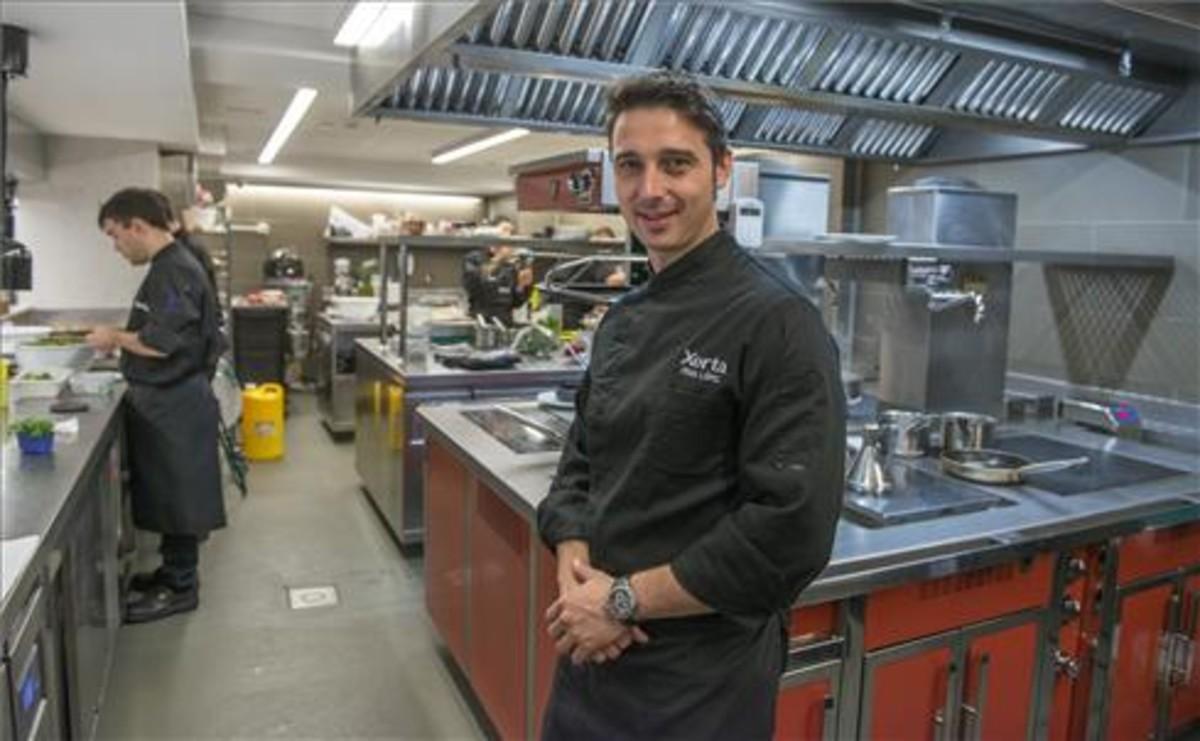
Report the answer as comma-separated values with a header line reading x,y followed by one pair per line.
x,y
873,81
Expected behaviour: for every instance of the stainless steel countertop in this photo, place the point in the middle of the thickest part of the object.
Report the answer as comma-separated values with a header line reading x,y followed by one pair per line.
x,y
865,558
35,491
429,374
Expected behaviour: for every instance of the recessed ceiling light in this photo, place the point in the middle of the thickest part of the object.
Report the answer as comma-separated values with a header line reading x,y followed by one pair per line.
x,y
474,144
287,124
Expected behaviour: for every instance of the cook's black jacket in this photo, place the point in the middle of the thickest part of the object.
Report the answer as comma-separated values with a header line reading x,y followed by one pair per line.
x,y
710,435
174,312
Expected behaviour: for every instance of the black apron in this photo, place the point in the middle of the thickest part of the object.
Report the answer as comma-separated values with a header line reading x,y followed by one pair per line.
x,y
174,465
697,679
171,415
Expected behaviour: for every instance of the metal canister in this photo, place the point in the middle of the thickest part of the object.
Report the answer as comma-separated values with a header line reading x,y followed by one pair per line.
x,y
966,430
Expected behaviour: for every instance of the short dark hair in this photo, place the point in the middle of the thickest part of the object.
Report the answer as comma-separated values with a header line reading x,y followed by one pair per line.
x,y
680,93
146,204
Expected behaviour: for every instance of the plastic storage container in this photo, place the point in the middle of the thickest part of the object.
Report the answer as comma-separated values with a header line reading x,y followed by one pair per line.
x,y
262,422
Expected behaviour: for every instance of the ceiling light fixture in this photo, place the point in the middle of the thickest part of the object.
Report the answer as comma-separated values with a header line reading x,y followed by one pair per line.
x,y
287,124
369,24
474,144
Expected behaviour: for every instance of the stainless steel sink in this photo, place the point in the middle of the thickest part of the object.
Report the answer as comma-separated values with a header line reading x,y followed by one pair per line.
x,y
518,436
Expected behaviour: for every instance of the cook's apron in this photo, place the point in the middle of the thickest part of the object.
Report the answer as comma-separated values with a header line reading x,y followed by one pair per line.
x,y
709,677
174,465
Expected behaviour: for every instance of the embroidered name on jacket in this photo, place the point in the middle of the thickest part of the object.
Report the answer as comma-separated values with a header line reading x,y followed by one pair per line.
x,y
708,369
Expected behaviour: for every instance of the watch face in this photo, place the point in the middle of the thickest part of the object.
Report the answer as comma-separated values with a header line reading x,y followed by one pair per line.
x,y
622,604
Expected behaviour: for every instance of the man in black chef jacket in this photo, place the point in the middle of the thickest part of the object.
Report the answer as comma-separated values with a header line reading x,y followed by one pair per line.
x,y
167,348
700,484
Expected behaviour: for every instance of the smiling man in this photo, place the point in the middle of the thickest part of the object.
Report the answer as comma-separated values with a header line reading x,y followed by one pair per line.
x,y
701,482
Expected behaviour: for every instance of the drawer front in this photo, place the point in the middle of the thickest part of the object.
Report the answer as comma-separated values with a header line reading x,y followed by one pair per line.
x,y
1158,551
914,610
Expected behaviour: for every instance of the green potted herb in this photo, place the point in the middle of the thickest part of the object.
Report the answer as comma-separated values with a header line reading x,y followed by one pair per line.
x,y
35,435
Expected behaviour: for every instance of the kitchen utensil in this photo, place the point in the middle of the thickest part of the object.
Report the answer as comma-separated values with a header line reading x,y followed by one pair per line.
x,y
966,430
868,472
485,334
852,387
907,432
75,355
985,466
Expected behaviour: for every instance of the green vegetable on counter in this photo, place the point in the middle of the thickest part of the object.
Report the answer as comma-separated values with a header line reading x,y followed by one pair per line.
x,y
36,376
33,427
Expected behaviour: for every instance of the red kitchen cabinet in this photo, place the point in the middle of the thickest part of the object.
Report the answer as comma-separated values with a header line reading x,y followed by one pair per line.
x,y
805,710
499,611
999,679
976,682
1185,700
446,548
1133,697
546,658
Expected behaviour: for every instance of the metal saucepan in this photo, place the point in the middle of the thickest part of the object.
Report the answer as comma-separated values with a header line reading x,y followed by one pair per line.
x,y
907,432
966,430
998,467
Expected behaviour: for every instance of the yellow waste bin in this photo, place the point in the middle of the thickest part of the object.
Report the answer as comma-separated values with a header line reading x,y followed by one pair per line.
x,y
262,422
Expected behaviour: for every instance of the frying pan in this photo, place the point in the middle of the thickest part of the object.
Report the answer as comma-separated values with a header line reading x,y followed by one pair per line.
x,y
985,466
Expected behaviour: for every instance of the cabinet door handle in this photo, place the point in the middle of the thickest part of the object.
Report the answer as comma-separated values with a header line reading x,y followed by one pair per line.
x,y
943,719
973,713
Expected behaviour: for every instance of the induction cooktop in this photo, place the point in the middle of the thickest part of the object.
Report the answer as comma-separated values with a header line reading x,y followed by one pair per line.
x,y
1104,470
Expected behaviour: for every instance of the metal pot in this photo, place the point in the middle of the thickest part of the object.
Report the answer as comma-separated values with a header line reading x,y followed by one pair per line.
x,y
487,336
907,432
999,467
966,430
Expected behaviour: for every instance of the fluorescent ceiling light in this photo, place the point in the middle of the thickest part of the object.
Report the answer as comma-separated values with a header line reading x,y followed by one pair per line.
x,y
291,117
369,24
475,144
356,25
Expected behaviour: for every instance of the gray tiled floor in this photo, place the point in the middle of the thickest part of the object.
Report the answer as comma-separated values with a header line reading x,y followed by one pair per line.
x,y
246,666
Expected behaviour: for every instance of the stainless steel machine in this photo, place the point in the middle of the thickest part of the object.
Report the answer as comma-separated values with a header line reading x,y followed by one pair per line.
x,y
334,349
945,344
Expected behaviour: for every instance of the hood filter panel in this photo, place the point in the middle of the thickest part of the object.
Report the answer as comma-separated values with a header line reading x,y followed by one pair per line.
x,y
872,66
1111,109
591,29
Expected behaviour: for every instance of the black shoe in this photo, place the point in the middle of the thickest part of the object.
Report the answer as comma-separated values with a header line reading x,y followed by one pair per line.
x,y
148,580
161,602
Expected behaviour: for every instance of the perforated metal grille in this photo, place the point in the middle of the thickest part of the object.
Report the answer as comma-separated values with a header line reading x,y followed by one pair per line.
x,y
880,138
875,67
1102,318
1111,109
1009,90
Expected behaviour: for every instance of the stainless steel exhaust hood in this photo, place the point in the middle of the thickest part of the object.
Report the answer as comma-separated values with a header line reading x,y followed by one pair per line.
x,y
870,81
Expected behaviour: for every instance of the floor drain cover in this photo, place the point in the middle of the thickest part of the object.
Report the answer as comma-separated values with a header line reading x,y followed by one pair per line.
x,y
304,598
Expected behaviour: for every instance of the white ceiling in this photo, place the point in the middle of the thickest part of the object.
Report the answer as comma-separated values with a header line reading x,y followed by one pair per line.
x,y
101,69
214,76
248,59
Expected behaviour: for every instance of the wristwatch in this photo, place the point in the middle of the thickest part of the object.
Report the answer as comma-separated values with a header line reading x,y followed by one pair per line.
x,y
622,601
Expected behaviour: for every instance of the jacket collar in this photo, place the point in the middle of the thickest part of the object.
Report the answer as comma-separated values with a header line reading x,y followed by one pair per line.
x,y
700,260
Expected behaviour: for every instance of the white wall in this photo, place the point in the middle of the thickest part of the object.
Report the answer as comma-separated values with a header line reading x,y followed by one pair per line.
x,y
74,264
26,151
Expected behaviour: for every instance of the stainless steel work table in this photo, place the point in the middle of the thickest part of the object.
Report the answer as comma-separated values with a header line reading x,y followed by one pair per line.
x,y
36,492
389,434
866,558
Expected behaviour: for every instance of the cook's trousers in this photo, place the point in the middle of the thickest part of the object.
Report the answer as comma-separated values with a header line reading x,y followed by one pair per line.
x,y
180,555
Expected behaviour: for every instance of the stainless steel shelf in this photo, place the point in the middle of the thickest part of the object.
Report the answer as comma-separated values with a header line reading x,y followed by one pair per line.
x,y
964,253
471,243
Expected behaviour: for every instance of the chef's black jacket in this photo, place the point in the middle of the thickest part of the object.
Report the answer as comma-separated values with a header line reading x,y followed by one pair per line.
x,y
709,435
170,412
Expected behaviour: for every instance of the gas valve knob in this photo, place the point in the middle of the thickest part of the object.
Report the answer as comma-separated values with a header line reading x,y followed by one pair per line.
x,y
1066,665
1076,568
1071,607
